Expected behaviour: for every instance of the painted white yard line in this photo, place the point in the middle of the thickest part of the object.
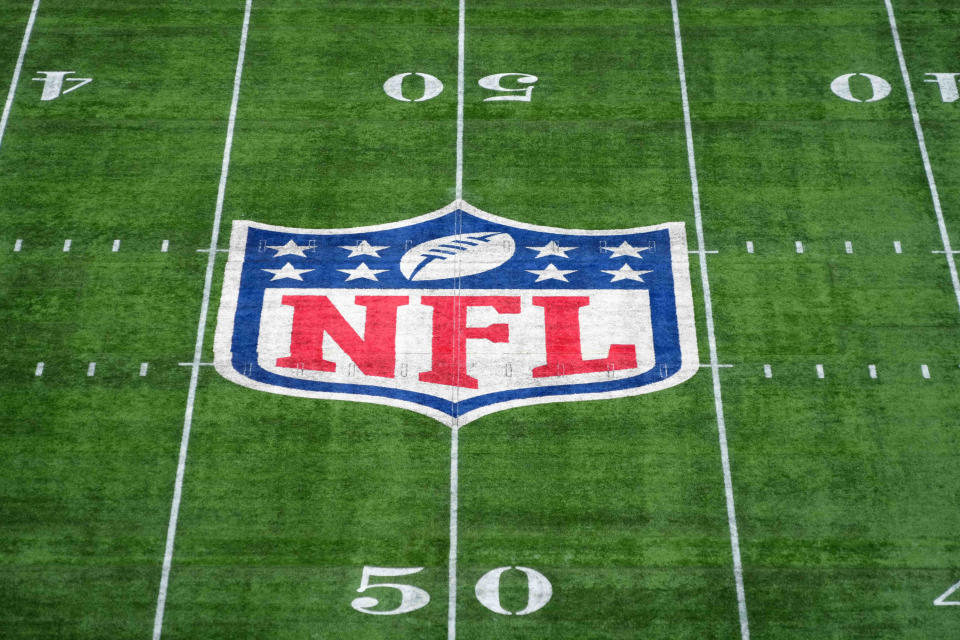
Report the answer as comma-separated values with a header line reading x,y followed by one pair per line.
x,y
39,370
921,141
799,246
164,246
201,330
872,369
16,70
461,54
925,371
116,246
143,368
848,246
455,429
18,244
91,369
897,247
767,371
749,246
454,502
195,364
66,245
711,338
820,373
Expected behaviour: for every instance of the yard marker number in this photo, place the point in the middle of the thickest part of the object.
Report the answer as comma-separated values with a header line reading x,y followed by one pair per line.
x,y
487,590
539,591
432,86
412,598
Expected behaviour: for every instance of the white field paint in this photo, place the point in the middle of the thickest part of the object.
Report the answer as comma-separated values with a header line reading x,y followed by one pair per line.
x,y
17,68
66,245
942,601
539,591
921,141
143,368
116,246
455,429
947,82
749,246
91,369
799,246
820,371
201,327
711,338
39,370
873,371
848,246
164,246
767,371
897,247
925,371
461,54
18,244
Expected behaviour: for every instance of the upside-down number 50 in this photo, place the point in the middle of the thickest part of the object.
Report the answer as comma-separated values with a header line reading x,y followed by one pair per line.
x,y
539,591
432,87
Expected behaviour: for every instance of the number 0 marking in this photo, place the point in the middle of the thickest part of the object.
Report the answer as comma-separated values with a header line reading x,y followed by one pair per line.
x,y
432,87
539,591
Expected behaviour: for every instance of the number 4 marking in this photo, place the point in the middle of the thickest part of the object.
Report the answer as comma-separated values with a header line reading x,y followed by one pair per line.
x,y
942,600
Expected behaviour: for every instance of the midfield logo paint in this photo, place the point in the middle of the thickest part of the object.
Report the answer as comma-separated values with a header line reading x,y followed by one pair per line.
x,y
457,313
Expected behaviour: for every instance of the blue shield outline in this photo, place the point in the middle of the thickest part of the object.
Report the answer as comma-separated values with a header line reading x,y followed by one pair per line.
x,y
247,280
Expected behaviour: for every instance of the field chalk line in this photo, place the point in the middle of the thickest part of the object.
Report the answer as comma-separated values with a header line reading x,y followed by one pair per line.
x,y
711,338
934,194
16,70
201,328
455,429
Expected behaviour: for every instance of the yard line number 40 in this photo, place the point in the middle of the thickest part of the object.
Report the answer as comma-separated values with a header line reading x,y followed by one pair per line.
x,y
487,590
432,87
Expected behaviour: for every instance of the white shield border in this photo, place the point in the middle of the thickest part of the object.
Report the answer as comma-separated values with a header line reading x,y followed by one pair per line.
x,y
689,355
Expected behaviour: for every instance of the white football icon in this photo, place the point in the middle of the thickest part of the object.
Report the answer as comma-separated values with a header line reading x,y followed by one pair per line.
x,y
464,254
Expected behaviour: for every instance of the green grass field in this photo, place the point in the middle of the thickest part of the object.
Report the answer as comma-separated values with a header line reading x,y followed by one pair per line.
x,y
846,487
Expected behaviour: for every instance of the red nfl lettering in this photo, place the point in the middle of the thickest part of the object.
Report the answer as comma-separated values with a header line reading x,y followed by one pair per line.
x,y
564,354
450,334
375,354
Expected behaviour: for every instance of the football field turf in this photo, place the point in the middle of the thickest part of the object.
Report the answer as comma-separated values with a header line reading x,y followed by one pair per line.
x,y
803,484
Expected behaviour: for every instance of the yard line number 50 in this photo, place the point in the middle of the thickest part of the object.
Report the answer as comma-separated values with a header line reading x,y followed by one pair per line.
x,y
432,87
487,590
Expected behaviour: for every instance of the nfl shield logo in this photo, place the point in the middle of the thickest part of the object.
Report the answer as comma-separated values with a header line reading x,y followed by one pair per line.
x,y
457,313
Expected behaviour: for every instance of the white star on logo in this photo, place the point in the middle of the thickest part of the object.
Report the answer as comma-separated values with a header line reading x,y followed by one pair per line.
x,y
625,249
363,248
363,271
550,273
551,249
626,273
289,249
288,271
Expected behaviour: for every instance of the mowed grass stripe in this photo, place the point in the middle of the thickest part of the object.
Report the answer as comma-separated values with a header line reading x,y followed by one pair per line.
x,y
840,480
118,158
294,497
596,496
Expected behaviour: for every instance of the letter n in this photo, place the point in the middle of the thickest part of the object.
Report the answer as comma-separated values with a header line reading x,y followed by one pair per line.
x,y
313,316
